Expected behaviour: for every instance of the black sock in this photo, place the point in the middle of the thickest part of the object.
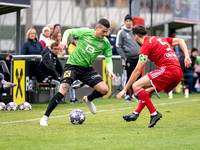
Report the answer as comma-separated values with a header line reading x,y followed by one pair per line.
x,y
94,94
53,103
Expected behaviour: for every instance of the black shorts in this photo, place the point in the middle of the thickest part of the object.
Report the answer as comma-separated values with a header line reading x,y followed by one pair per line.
x,y
87,75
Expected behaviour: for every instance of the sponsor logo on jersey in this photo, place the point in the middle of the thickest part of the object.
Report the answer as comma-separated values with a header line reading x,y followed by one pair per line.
x,y
90,49
67,74
170,55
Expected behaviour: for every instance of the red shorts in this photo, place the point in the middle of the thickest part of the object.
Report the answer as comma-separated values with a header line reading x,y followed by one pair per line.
x,y
165,78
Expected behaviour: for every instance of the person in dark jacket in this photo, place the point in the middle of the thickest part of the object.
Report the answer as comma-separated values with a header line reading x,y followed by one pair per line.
x,y
31,46
128,49
50,68
189,73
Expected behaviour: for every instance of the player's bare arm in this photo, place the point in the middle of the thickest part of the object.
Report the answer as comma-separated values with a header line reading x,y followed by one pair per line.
x,y
183,46
112,76
135,74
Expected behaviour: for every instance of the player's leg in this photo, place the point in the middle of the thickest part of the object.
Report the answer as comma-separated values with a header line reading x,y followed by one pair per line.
x,y
145,100
67,80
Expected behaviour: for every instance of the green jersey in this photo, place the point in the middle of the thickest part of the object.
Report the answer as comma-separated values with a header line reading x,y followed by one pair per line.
x,y
87,48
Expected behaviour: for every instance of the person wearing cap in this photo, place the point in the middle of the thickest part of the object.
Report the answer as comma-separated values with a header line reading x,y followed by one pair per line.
x,y
128,49
45,37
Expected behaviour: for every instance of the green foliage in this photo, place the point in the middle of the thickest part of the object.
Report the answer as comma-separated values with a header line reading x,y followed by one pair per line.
x,y
178,129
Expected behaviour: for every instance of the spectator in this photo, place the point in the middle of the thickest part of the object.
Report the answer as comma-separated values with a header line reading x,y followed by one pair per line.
x,y
51,29
57,28
50,69
31,46
112,39
45,37
128,49
5,65
57,37
189,73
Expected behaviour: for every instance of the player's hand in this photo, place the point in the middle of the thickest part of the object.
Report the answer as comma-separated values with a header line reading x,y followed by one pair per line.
x,y
112,76
187,61
119,96
62,45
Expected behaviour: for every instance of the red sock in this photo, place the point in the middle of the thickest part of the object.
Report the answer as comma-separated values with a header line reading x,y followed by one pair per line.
x,y
145,100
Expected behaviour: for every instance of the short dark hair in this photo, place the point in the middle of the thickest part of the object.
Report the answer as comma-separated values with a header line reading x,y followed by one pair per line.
x,y
139,30
56,26
104,22
54,44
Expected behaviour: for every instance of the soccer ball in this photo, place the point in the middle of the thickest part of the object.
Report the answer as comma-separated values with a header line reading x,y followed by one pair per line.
x,y
25,106
2,106
11,106
77,116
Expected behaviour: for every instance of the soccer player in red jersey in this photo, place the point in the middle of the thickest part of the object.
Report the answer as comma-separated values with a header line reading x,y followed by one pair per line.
x,y
159,51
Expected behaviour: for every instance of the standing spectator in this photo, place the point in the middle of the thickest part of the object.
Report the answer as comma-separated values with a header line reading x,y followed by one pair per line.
x,y
79,65
50,69
45,37
57,36
51,29
31,46
57,28
169,74
112,39
128,49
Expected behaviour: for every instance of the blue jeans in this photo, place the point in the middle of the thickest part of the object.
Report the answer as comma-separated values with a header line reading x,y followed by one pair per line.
x,y
190,80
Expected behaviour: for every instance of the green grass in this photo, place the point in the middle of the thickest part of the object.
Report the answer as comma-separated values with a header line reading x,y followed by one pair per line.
x,y
178,129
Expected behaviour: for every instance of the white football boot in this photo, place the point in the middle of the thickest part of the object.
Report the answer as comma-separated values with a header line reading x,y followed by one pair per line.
x,y
43,121
90,105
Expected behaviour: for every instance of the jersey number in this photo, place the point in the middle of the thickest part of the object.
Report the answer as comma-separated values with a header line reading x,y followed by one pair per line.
x,y
164,43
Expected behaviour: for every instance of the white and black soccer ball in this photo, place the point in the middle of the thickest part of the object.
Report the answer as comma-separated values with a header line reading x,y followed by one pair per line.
x,y
25,106
2,106
77,116
11,106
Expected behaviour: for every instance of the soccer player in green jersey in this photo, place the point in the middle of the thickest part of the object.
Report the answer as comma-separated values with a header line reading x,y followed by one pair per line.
x,y
79,65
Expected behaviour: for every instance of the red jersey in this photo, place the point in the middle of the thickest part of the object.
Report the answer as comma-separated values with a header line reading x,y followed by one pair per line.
x,y
159,51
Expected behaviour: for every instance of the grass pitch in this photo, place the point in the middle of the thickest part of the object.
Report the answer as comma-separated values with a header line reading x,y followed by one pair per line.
x,y
178,129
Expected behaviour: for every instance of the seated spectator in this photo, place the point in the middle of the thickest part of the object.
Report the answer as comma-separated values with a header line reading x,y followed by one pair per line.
x,y
57,37
5,65
45,37
50,69
189,73
31,46
195,61
5,84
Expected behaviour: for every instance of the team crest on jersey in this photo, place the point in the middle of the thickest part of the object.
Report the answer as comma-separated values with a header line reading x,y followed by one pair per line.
x,y
100,45
143,58
67,74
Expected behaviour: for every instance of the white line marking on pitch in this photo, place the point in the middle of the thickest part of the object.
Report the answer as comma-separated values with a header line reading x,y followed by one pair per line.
x,y
98,111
